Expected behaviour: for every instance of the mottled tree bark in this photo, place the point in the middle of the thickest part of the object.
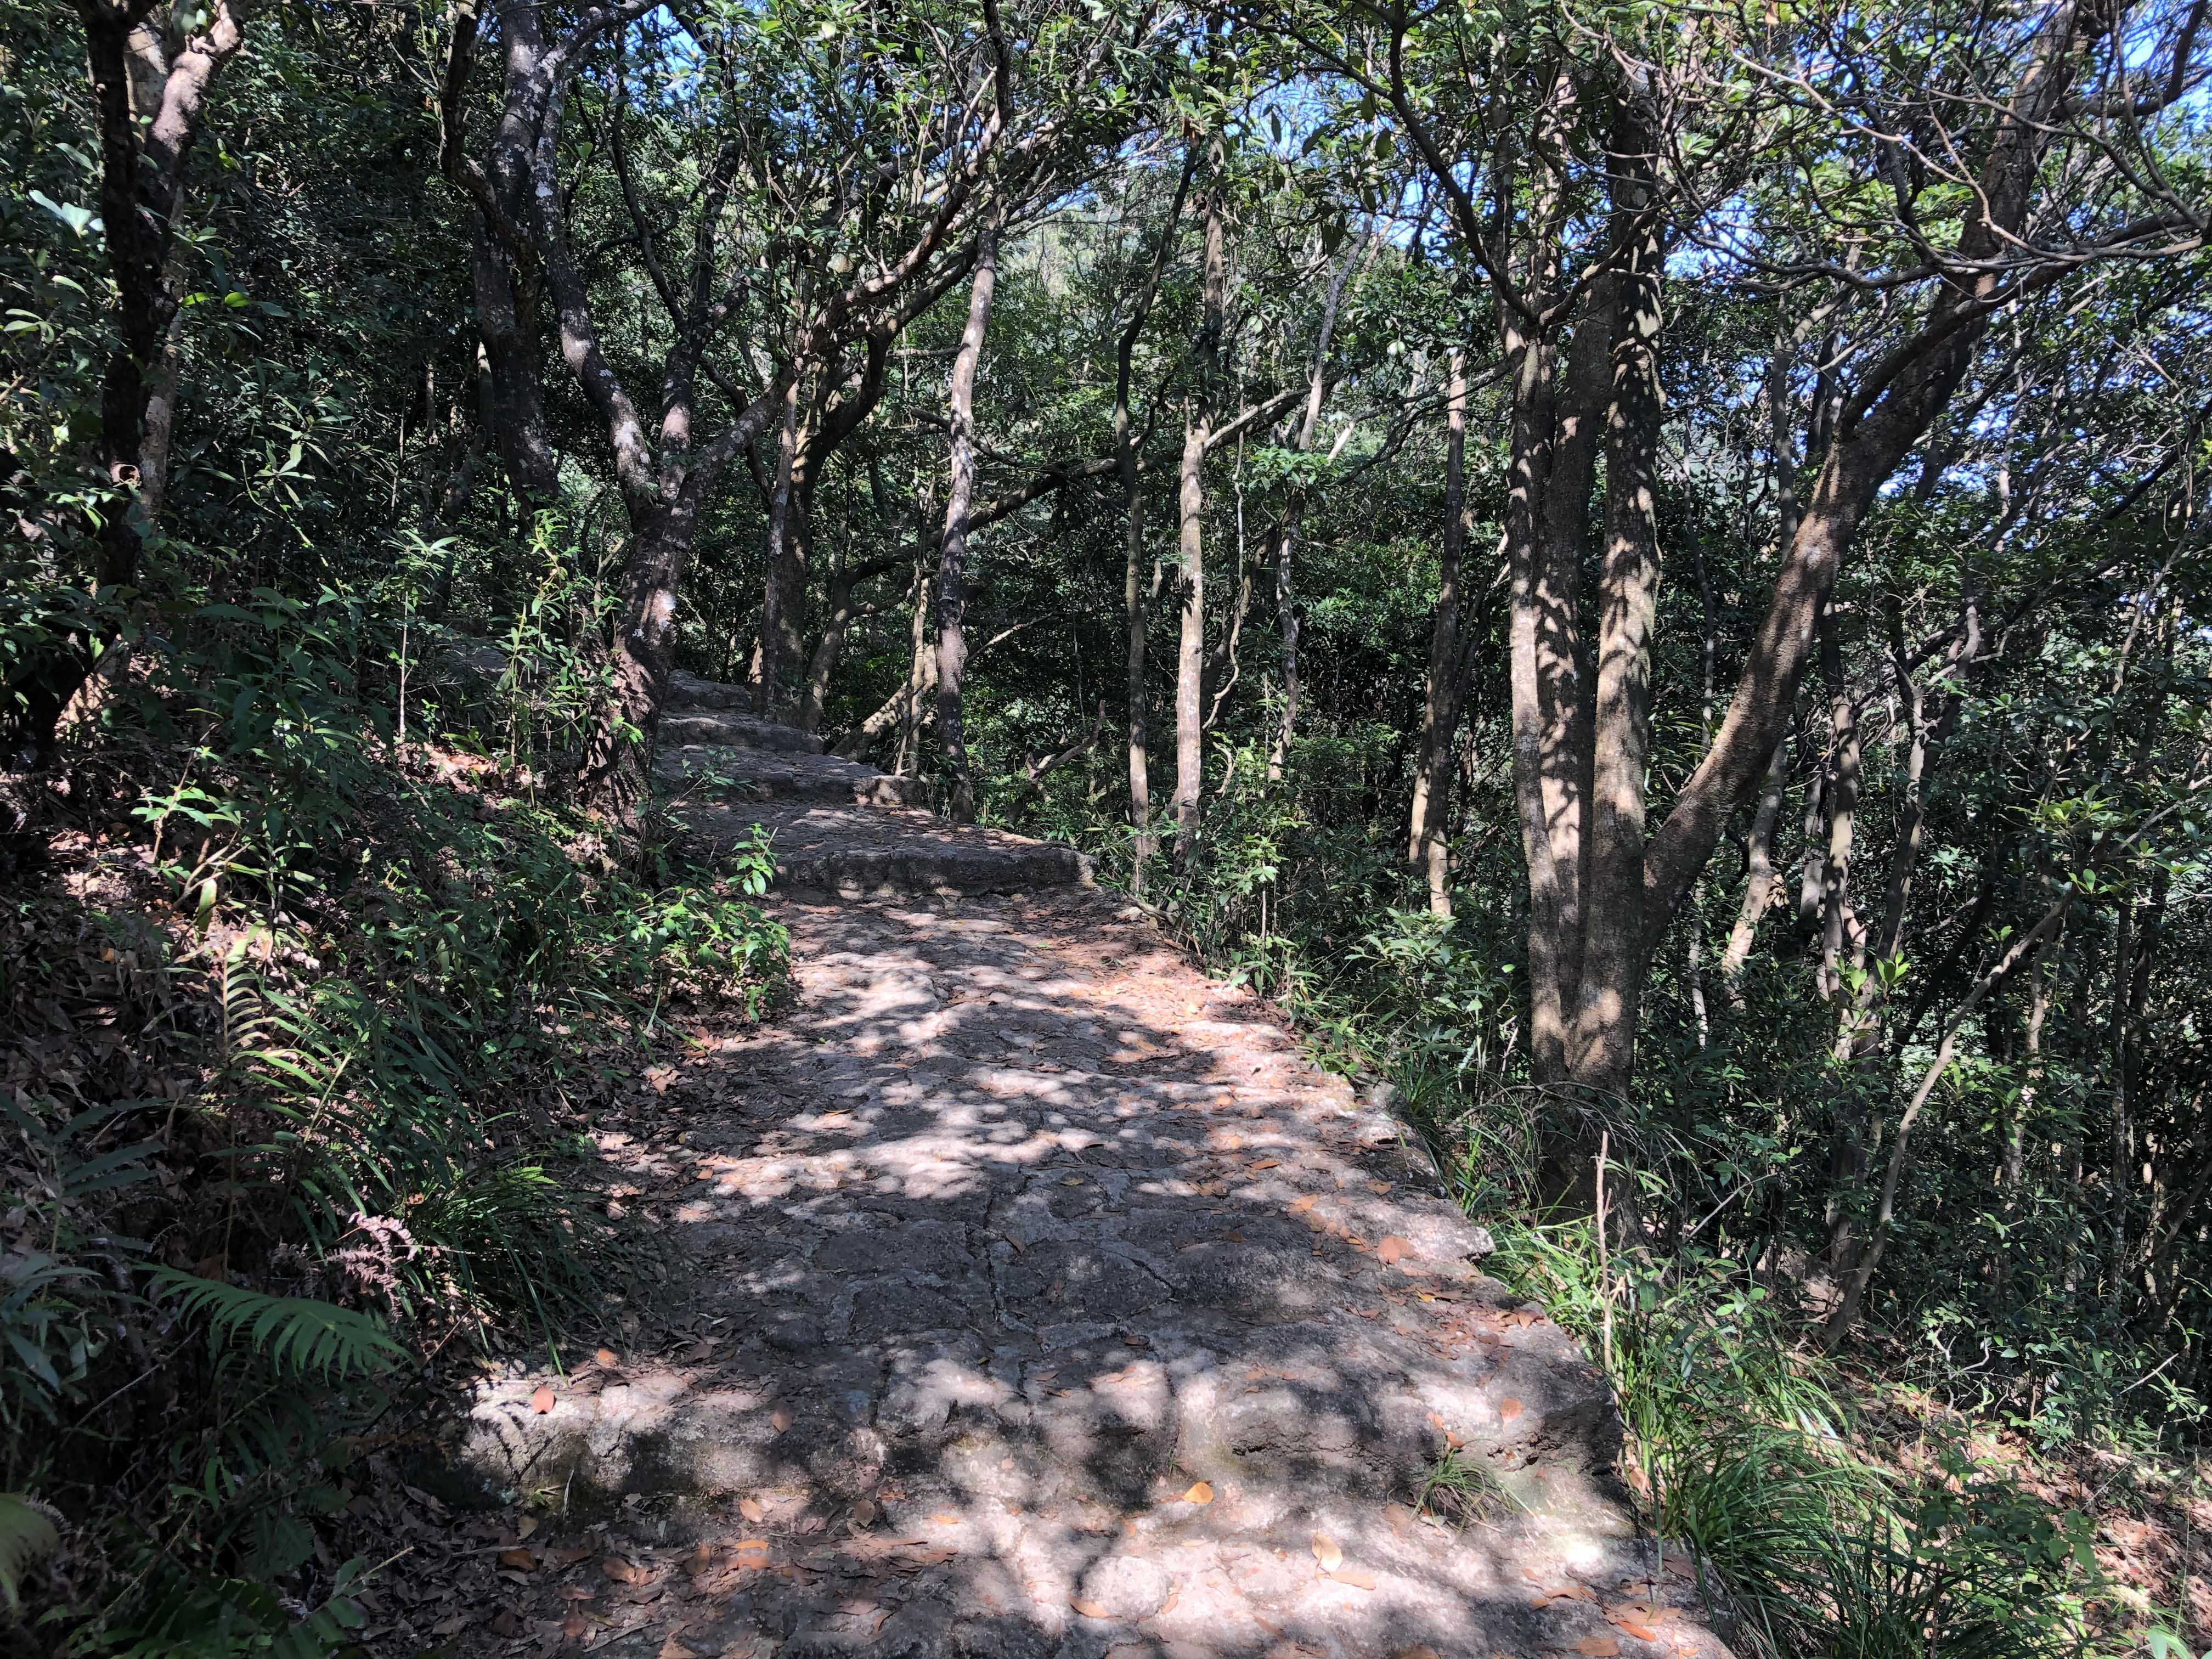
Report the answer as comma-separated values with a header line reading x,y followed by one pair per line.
x,y
952,561
1190,498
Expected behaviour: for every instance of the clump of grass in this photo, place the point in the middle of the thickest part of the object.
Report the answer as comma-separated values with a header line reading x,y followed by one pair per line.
x,y
1463,1492
1744,1447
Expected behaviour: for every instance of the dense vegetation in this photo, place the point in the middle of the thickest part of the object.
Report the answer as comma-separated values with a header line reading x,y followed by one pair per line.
x,y
1638,568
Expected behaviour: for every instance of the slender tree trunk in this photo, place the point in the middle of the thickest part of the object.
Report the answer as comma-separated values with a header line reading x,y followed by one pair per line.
x,y
952,563
775,588
1761,879
1427,842
1286,532
1286,634
1190,656
1134,593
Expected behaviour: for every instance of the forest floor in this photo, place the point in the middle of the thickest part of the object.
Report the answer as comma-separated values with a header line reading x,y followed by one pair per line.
x,y
1031,1294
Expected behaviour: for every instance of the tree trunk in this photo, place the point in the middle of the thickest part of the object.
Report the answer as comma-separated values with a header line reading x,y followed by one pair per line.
x,y
1760,879
1615,955
1286,532
1427,842
1190,656
952,562
1133,595
618,769
775,591
1190,497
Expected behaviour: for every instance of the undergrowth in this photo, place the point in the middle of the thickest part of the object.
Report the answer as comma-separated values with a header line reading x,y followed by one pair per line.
x,y
305,1024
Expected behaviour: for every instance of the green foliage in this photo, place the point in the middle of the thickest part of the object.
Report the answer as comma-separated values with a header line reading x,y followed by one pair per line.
x,y
295,1334
27,1534
1750,1452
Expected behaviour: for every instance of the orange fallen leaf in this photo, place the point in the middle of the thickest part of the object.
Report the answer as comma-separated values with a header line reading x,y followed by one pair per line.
x,y
620,1571
574,1627
1200,1492
1424,1651
1572,1593
541,1400
751,1508
523,1560
1354,1576
1393,1249
1326,1551
1597,1647
1268,1164
1089,1610
1508,1410
1301,1205
744,1545
781,1418
945,1518
1641,1633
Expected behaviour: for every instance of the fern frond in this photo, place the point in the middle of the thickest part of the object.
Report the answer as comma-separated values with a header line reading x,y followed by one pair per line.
x,y
28,1537
296,1333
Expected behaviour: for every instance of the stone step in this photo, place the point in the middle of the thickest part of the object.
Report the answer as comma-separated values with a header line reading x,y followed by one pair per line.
x,y
767,774
728,728
856,852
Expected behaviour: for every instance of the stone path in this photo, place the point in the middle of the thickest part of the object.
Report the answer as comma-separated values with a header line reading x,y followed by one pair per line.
x,y
1039,1301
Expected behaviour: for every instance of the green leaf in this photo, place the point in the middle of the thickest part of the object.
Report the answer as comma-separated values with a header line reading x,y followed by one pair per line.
x,y
26,1537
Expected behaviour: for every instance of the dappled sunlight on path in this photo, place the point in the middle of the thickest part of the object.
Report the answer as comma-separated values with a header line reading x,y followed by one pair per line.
x,y
1042,1300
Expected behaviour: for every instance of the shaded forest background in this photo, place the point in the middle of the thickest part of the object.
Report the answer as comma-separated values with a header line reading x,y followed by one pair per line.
x,y
1638,569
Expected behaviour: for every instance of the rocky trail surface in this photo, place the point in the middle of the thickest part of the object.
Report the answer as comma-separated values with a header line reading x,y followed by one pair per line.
x,y
1036,1300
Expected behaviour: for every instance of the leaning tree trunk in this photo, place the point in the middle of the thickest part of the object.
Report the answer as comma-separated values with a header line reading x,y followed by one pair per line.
x,y
952,562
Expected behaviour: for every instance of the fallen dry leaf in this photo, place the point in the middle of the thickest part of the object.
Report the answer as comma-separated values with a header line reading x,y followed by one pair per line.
x,y
526,1527
620,1571
1089,1610
781,1418
745,1546
945,1518
1393,1249
1597,1647
751,1508
525,1560
1508,1410
1201,1493
574,1627
1326,1551
606,1358
1354,1576
568,1557
1424,1651
541,1400
505,1626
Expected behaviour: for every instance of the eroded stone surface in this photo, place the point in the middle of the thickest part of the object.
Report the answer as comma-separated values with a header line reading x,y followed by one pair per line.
x,y
1041,1300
